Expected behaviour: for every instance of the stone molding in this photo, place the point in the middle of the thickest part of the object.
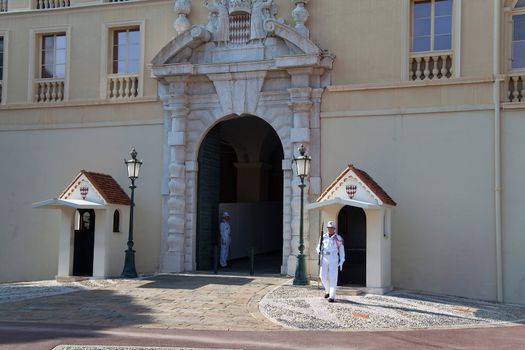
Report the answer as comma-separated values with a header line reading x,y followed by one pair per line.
x,y
198,93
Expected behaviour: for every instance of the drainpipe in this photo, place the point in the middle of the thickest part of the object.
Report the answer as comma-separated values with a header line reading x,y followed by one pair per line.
x,y
496,95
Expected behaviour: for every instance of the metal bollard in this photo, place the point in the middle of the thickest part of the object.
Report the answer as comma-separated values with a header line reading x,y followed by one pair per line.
x,y
252,261
215,259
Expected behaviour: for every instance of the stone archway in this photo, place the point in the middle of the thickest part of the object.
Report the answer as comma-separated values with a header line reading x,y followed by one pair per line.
x,y
351,225
279,77
240,171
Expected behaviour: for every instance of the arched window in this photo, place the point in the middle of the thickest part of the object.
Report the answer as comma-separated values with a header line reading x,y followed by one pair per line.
x,y
116,221
518,35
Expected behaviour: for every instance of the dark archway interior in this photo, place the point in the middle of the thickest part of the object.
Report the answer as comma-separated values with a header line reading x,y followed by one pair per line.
x,y
352,227
84,243
240,171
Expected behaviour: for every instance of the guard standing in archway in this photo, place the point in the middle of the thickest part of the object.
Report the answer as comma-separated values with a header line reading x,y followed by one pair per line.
x,y
332,258
225,239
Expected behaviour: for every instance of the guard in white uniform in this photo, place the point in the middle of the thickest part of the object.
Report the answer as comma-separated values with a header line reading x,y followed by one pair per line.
x,y
332,253
225,239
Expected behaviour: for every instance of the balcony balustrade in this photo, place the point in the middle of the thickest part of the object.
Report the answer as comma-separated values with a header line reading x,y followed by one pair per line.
x,y
49,90
431,65
25,5
515,87
51,4
122,86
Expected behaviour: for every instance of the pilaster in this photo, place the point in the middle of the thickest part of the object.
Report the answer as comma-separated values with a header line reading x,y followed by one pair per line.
x,y
300,105
178,105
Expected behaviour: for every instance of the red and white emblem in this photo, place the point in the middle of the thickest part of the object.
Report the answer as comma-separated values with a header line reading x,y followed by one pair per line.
x,y
351,190
84,191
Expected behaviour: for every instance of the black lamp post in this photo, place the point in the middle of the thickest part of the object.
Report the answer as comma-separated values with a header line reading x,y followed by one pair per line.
x,y
303,169
133,166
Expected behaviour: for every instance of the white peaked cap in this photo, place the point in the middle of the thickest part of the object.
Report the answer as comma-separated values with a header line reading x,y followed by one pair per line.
x,y
225,214
330,224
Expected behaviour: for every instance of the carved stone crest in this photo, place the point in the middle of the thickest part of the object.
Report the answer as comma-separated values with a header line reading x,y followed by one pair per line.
x,y
239,21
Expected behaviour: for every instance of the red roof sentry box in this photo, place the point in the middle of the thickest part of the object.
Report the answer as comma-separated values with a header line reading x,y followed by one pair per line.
x,y
356,185
95,187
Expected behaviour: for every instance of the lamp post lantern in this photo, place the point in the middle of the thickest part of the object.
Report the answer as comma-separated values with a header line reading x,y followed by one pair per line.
x,y
133,166
302,163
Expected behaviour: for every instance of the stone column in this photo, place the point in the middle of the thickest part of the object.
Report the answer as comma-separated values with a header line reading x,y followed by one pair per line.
x,y
287,215
192,168
173,260
300,104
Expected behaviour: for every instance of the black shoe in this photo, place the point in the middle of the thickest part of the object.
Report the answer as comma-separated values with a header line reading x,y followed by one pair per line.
x,y
331,300
326,296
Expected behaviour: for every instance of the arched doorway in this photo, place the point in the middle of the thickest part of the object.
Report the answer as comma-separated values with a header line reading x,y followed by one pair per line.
x,y
84,243
352,227
240,171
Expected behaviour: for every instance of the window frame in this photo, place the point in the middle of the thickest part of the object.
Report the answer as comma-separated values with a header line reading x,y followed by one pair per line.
x,y
107,55
35,61
126,30
513,12
5,72
54,64
432,27
406,39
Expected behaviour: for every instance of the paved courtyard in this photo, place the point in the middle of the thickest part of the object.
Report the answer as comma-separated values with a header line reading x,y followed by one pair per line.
x,y
225,302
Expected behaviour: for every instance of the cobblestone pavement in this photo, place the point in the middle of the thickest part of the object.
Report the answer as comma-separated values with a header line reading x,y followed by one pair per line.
x,y
305,308
223,302
164,301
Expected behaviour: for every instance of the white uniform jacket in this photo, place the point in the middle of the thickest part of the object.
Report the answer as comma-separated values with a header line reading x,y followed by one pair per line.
x,y
225,233
330,247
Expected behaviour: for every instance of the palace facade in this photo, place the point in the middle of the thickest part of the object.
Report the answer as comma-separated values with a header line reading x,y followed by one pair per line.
x,y
412,111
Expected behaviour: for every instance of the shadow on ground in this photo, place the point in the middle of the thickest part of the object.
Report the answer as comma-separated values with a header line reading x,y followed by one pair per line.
x,y
193,281
470,307
93,309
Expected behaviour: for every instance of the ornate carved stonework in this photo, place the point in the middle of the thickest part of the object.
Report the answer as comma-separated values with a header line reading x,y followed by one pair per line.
x,y
182,8
300,15
235,6
239,21
244,61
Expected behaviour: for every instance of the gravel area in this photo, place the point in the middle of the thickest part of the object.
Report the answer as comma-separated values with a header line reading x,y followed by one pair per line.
x,y
305,308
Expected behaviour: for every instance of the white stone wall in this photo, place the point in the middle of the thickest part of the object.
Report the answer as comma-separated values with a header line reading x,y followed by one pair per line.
x,y
438,168
39,164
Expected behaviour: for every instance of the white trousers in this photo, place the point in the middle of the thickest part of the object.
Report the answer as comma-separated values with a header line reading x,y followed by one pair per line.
x,y
225,248
328,274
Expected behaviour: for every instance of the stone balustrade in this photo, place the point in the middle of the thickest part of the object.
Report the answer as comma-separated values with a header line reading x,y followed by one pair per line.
x,y
431,65
51,4
515,84
49,90
122,86
27,5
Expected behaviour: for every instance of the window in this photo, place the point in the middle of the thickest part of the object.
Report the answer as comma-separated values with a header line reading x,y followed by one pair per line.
x,y
1,58
518,37
126,51
53,56
116,221
431,25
